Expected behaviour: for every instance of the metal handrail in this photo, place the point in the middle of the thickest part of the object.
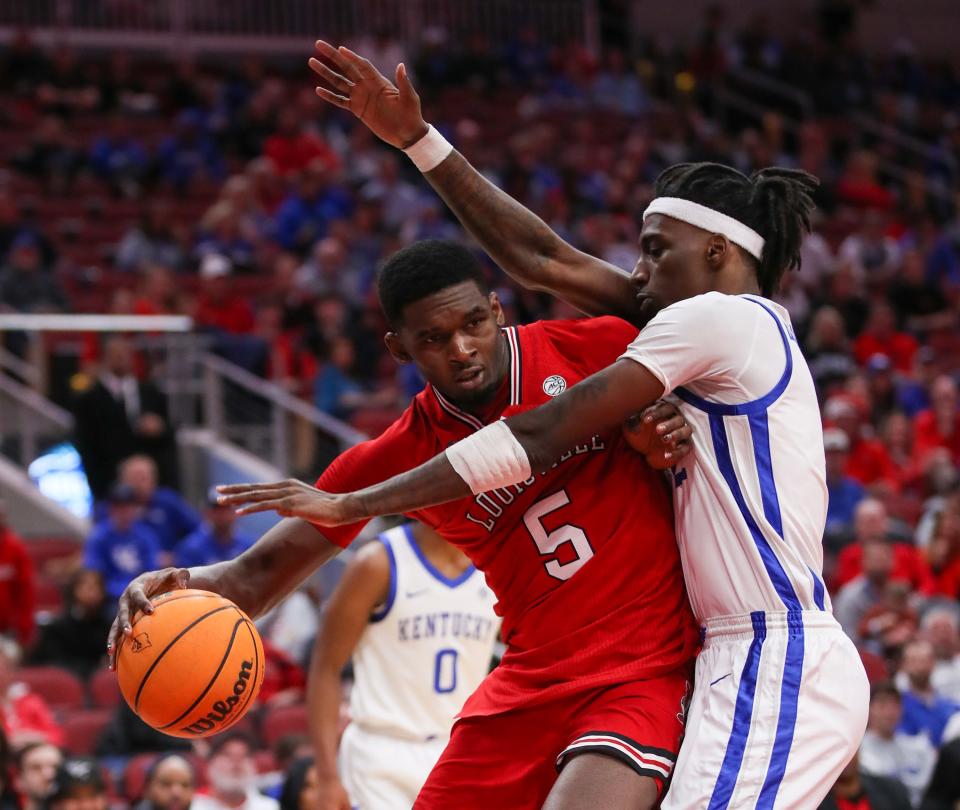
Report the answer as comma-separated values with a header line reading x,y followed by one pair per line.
x,y
282,399
787,91
15,321
918,147
16,365
36,403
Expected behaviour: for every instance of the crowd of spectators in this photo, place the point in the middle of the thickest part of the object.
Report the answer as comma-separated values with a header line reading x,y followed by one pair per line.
x,y
245,202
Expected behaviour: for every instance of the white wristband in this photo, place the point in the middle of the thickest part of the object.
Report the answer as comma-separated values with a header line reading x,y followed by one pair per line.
x,y
490,458
430,151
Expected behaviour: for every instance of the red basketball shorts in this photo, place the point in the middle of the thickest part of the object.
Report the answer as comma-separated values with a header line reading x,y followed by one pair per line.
x,y
512,759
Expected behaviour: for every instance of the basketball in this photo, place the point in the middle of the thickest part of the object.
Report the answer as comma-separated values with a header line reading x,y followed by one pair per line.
x,y
193,667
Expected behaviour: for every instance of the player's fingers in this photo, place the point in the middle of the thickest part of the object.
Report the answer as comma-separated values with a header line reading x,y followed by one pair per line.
x,y
633,423
231,489
274,505
363,66
404,85
659,411
333,98
332,54
254,496
330,76
681,434
113,643
679,450
668,426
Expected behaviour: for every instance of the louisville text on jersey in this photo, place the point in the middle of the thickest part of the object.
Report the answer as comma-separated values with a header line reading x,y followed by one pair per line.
x,y
489,506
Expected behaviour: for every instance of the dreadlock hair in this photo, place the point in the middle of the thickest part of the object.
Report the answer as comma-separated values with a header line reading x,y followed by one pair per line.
x,y
775,202
422,269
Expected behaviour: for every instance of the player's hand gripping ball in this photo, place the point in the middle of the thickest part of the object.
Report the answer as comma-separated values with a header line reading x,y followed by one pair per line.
x,y
193,667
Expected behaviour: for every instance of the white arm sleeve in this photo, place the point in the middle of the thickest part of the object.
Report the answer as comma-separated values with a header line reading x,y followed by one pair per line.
x,y
490,458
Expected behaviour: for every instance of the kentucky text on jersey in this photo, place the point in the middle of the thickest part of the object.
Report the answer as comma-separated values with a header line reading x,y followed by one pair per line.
x,y
445,625
492,503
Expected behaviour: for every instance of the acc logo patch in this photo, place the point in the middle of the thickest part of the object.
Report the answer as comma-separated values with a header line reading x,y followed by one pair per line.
x,y
140,643
554,385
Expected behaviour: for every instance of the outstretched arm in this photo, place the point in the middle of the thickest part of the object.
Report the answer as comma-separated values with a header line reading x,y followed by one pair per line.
x,y
593,406
516,238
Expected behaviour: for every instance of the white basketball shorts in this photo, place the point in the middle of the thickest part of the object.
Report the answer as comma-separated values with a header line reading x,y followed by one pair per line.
x,y
382,772
779,708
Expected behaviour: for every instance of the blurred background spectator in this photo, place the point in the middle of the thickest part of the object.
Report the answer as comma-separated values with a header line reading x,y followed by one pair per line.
x,y
121,546
232,773
25,715
17,585
74,638
170,784
36,767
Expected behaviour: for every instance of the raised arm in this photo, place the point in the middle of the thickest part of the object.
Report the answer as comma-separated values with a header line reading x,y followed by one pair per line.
x,y
595,405
516,238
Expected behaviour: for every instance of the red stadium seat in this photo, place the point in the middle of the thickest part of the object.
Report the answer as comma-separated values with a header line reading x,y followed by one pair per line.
x,y
104,690
876,668
49,595
62,690
284,720
45,549
265,761
83,728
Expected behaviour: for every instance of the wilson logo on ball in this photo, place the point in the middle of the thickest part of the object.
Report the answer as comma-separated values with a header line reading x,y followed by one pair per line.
x,y
139,643
221,709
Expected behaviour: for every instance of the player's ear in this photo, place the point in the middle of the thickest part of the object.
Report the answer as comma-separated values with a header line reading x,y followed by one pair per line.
x,y
718,250
497,309
395,347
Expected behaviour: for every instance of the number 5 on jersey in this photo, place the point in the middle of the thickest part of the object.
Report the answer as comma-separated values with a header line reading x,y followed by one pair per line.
x,y
549,542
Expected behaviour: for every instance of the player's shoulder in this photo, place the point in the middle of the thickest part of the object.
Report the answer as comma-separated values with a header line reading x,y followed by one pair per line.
x,y
372,565
578,327
713,315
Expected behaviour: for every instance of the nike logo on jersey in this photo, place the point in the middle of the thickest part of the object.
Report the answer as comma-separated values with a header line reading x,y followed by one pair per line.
x,y
412,594
721,678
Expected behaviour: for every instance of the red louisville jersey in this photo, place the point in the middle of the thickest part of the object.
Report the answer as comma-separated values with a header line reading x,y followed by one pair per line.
x,y
582,558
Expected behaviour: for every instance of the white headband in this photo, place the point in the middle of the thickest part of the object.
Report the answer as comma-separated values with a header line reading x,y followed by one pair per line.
x,y
710,220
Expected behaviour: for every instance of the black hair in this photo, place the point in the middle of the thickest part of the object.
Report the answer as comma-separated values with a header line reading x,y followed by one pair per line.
x,y
775,202
221,741
151,773
22,753
293,784
423,269
887,688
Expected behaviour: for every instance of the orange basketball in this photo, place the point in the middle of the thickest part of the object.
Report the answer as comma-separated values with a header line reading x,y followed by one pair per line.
x,y
193,667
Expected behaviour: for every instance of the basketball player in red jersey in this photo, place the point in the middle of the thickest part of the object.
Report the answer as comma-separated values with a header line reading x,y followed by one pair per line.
x,y
598,630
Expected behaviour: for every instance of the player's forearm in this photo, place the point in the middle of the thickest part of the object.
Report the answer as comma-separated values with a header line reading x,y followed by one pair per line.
x,y
270,570
323,703
430,484
516,238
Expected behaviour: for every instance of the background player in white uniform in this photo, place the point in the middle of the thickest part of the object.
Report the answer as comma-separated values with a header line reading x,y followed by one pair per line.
x,y
417,619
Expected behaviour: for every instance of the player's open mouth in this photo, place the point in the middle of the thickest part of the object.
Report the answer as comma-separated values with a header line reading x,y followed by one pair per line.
x,y
470,377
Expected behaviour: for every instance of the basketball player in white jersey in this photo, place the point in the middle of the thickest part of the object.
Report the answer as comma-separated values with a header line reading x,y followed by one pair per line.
x,y
417,619
780,702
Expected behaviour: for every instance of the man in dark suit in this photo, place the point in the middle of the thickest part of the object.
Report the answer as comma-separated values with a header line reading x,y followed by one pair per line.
x,y
855,790
118,416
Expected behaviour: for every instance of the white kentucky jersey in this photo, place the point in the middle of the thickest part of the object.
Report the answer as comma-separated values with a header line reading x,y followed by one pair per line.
x,y
751,500
426,648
